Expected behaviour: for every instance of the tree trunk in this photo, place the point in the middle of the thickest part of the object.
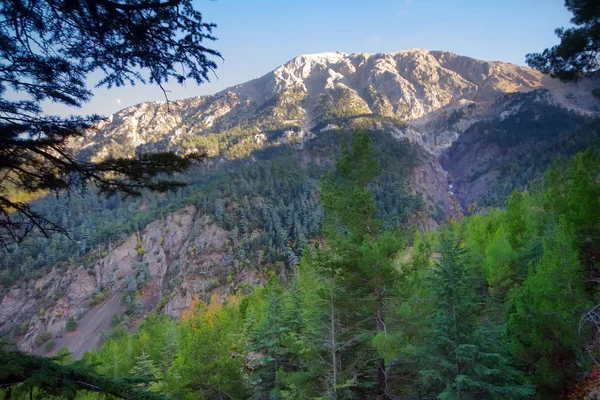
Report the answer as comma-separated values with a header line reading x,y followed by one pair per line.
x,y
333,341
381,374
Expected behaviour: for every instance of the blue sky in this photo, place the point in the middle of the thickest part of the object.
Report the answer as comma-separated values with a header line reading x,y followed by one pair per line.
x,y
257,36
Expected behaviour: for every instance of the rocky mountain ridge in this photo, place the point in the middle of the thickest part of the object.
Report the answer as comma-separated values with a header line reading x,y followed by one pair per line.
x,y
413,85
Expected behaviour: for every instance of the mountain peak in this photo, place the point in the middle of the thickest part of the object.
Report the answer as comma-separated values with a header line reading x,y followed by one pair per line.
x,y
413,85
328,56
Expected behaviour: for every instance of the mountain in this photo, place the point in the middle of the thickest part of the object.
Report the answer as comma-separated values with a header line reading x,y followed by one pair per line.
x,y
451,133
412,85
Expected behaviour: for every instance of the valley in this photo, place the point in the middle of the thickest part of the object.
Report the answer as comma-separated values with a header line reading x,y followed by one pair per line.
x,y
426,107
453,136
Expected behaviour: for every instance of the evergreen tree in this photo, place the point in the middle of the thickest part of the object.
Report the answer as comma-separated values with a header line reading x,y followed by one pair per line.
x,y
267,339
23,374
63,356
48,59
71,324
321,279
210,360
577,53
144,367
545,312
354,230
137,307
461,360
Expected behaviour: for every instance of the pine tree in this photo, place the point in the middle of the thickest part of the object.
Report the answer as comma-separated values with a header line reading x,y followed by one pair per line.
x,y
300,375
71,324
49,59
137,307
63,356
268,340
320,275
576,54
462,359
545,312
210,358
144,366
368,270
23,374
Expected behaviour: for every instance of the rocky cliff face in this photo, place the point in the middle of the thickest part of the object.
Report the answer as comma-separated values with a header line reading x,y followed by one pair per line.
x,y
474,119
183,246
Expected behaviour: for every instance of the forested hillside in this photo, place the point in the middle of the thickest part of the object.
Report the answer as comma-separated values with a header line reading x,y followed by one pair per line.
x,y
309,276
492,157
405,225
496,305
452,135
262,210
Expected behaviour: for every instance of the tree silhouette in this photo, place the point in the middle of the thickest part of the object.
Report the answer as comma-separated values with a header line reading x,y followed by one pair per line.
x,y
578,51
48,49
23,374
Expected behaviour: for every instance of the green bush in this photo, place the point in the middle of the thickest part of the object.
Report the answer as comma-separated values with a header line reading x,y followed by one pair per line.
x,y
71,324
97,299
162,303
49,346
213,284
43,337
115,320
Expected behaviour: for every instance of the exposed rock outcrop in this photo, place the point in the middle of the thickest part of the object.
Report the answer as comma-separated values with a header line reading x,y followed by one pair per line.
x,y
183,244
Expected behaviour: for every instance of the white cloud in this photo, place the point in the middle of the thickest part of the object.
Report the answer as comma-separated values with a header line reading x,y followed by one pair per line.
x,y
118,101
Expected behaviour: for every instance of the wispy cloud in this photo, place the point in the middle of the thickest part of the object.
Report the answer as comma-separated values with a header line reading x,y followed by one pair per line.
x,y
374,39
406,4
